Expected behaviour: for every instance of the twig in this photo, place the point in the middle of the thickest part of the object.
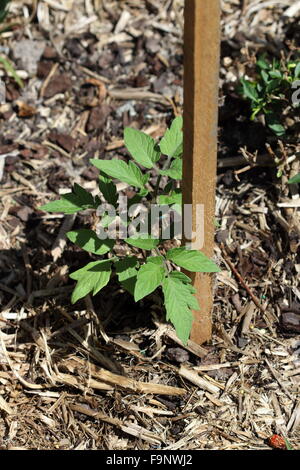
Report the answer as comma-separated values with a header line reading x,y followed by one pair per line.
x,y
242,282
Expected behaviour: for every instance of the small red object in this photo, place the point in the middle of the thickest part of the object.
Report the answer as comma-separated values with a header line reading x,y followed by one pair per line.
x,y
277,442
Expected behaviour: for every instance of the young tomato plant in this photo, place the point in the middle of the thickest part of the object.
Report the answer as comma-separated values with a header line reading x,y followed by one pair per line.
x,y
270,93
138,274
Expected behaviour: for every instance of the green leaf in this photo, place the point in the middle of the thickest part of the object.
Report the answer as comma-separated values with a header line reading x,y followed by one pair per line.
x,y
143,193
88,241
265,76
275,126
179,300
295,179
3,9
249,90
169,187
106,220
275,74
273,84
142,147
179,151
192,260
156,260
149,277
144,243
92,278
128,173
174,198
11,70
70,203
108,189
172,142
297,70
175,170
181,277
127,273
262,63
288,445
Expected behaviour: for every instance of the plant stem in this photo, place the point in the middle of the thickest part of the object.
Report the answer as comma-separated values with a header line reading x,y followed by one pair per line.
x,y
164,260
165,167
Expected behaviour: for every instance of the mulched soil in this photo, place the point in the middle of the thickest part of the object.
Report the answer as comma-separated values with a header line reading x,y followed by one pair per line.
x,y
109,374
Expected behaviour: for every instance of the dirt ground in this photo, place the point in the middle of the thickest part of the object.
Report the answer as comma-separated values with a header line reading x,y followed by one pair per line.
x,y
109,374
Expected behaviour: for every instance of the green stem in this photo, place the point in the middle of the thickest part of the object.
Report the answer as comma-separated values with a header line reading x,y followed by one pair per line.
x,y
164,260
165,167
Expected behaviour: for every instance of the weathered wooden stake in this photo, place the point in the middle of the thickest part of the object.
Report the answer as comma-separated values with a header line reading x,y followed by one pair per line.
x,y
201,57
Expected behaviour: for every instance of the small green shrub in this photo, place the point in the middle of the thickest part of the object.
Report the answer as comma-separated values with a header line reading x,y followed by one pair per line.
x,y
270,92
138,274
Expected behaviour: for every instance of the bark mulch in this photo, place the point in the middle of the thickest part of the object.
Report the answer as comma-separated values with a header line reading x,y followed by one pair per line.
x,y
107,373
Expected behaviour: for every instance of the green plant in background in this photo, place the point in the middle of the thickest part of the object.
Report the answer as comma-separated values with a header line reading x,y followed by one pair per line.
x,y
270,93
9,68
3,9
140,275
295,179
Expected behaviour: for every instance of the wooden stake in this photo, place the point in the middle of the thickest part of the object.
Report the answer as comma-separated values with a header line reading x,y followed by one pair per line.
x,y
201,57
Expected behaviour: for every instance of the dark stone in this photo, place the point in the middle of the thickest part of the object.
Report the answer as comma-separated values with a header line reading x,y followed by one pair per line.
x,y
98,117
178,355
58,84
44,69
49,53
65,141
290,322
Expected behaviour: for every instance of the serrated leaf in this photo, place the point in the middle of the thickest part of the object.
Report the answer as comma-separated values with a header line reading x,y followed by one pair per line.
x,y
128,173
181,277
70,203
175,170
143,193
295,179
145,243
108,189
174,198
192,260
156,260
150,276
179,152
178,302
107,220
88,241
142,147
127,272
92,278
172,142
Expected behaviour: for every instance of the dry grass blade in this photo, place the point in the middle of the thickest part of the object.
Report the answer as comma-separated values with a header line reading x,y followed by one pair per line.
x,y
128,428
118,381
5,406
200,382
